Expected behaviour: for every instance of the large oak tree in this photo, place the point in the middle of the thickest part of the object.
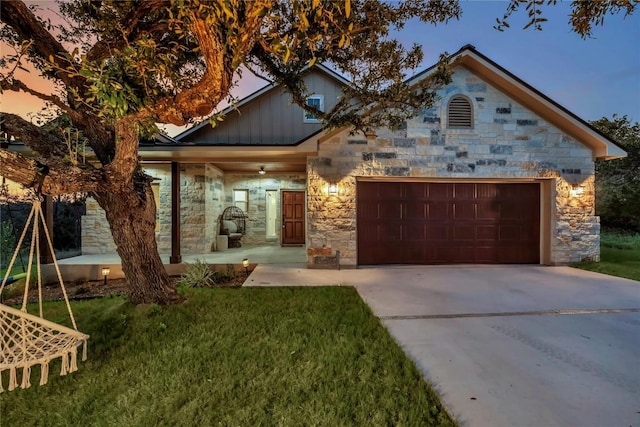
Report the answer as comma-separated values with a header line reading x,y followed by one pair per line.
x,y
121,66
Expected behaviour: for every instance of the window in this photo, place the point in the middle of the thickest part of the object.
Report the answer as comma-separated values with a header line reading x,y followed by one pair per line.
x,y
315,101
460,113
241,200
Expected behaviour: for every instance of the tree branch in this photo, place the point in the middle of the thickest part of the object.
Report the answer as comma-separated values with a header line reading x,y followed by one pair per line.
x,y
131,25
17,15
200,99
47,144
61,178
17,85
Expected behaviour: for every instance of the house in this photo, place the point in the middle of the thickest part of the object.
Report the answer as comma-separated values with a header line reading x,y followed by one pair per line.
x,y
496,172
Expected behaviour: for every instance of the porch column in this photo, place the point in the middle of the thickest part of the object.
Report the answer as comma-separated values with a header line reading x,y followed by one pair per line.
x,y
46,257
176,257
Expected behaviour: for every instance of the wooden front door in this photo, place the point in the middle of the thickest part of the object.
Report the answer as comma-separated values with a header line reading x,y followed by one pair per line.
x,y
293,223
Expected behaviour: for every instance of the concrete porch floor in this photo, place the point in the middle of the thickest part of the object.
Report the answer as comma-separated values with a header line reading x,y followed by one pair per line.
x,y
265,254
90,266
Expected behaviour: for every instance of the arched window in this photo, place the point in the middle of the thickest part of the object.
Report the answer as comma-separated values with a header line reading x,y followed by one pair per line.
x,y
460,113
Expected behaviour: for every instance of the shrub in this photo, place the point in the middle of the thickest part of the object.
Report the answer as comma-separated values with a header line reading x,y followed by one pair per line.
x,y
197,275
619,240
200,275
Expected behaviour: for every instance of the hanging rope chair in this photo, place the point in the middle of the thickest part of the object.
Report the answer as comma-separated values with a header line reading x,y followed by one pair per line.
x,y
28,340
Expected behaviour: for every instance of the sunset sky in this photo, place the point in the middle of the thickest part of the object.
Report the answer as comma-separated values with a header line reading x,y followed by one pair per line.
x,y
592,78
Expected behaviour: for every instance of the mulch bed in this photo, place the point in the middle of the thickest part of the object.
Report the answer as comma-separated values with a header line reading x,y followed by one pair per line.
x,y
88,289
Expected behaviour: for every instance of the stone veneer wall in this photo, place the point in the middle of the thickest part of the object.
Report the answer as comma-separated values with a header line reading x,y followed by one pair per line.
x,y
96,235
214,203
162,174
507,141
258,186
192,209
201,195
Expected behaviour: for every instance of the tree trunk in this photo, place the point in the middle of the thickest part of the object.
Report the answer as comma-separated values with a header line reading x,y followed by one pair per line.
x,y
131,214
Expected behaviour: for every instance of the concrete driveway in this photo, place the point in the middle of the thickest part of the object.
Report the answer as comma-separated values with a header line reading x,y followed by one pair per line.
x,y
517,345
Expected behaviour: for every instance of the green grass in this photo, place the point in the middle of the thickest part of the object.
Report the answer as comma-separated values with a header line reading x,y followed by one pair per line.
x,y
232,357
619,256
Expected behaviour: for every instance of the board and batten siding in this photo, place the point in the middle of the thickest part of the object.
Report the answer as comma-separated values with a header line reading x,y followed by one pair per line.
x,y
270,119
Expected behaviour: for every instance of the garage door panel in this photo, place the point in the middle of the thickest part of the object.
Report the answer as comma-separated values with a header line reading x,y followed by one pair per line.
x,y
392,210
439,192
464,210
388,190
486,191
509,233
464,232
487,232
432,223
442,255
437,231
487,209
416,210
464,192
509,211
415,231
389,231
414,191
439,210
486,254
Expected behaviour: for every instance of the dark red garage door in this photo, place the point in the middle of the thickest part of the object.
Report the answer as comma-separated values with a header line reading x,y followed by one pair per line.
x,y
441,223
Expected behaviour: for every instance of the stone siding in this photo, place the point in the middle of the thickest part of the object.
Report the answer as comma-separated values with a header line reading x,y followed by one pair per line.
x,y
96,235
162,175
507,142
214,203
201,192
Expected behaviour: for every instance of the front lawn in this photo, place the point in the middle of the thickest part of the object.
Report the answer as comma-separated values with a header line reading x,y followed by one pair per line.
x,y
232,357
619,256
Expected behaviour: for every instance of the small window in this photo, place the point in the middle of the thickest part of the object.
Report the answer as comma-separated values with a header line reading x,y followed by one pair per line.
x,y
241,200
460,113
315,101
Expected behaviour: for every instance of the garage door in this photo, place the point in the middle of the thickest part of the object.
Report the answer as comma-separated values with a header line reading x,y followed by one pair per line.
x,y
442,223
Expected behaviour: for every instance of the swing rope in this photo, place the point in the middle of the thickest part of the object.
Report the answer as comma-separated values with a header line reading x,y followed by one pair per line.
x,y
29,340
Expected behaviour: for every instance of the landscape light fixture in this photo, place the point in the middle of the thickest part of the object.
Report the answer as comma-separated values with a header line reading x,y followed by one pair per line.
x,y
245,264
262,171
105,273
333,188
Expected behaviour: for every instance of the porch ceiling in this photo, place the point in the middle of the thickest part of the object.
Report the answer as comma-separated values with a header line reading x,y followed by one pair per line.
x,y
246,159
271,166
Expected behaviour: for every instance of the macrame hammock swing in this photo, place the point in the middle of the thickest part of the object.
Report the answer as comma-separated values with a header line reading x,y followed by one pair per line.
x,y
28,340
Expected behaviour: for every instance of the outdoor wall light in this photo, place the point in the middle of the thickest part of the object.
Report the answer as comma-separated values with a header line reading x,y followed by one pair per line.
x,y
333,188
245,264
105,273
577,191
262,171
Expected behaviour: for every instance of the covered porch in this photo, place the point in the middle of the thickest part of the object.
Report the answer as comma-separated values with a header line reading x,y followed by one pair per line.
x,y
195,183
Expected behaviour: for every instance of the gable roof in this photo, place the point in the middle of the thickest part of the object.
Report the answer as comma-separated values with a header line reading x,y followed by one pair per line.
x,y
264,90
603,147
